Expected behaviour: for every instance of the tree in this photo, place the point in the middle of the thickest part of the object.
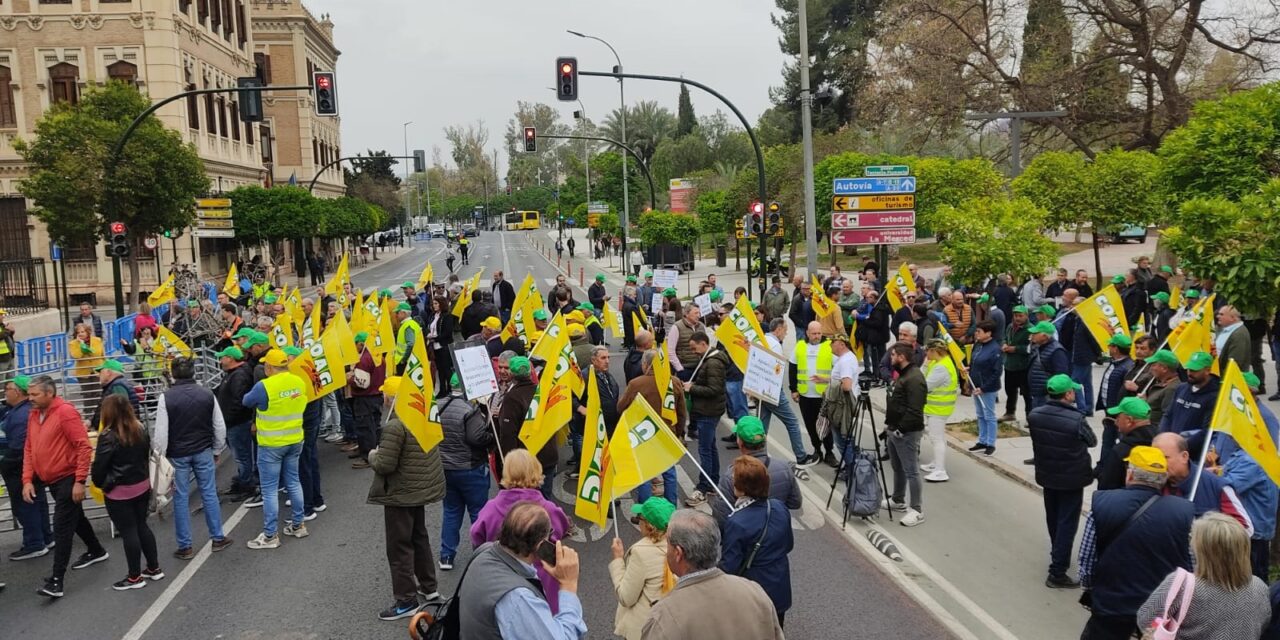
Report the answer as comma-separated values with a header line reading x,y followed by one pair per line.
x,y
714,213
992,235
543,166
648,124
1046,55
1228,148
686,121
660,227
151,187
1055,182
273,215
1237,243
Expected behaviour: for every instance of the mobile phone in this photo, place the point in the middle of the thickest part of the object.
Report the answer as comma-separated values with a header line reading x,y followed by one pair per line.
x,y
547,552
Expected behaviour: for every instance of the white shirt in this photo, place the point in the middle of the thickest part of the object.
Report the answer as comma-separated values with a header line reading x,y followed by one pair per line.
x,y
845,366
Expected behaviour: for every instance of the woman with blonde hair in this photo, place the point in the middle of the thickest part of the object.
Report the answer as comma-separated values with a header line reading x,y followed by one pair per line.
x,y
1227,601
640,575
521,482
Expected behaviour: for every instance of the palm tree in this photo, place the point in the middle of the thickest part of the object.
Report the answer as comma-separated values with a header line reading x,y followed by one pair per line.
x,y
648,124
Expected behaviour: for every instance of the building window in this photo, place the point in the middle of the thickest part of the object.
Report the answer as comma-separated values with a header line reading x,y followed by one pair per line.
x,y
311,74
81,250
115,1
248,133
8,113
202,9
235,120
315,150
228,20
222,116
210,114
240,27
55,1
262,67
264,134
15,236
63,85
215,15
122,71
193,109
184,7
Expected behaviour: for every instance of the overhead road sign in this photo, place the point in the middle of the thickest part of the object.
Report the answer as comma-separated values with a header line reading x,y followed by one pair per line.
x,y
213,233
213,203
886,171
214,224
873,219
213,213
873,236
859,186
901,202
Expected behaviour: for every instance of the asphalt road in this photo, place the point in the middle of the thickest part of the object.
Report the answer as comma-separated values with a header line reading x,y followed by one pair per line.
x,y
333,583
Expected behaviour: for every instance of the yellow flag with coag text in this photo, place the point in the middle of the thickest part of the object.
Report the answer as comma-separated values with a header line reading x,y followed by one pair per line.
x,y
898,289
426,277
552,405
164,293
595,473
1236,414
1103,314
662,378
415,400
738,331
232,286
168,344
823,305
642,447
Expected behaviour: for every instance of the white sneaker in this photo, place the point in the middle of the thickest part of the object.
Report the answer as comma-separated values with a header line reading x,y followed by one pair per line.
x,y
927,467
696,498
937,476
299,531
912,518
892,505
263,542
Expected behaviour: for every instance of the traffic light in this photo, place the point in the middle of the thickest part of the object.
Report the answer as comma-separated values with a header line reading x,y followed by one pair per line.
x,y
757,218
508,189
250,102
530,139
567,79
326,93
775,217
119,240
419,161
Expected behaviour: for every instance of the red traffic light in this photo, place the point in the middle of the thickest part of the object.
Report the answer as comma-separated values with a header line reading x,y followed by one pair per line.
x,y
757,207
566,68
323,81
529,132
117,228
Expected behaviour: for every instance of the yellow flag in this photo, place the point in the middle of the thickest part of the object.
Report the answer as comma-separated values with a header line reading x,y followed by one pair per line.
x,y
232,285
426,277
322,364
855,343
281,334
897,290
1236,414
415,401
527,301
1175,297
547,348
310,328
464,299
382,340
555,349
1195,333
359,318
738,331
823,306
164,293
957,354
335,287
345,338
637,323
167,343
1196,314
662,378
595,474
1103,314
612,320
551,409
642,447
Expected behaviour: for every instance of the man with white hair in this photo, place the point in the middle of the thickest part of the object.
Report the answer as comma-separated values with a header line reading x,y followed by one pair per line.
x,y
1232,341
908,333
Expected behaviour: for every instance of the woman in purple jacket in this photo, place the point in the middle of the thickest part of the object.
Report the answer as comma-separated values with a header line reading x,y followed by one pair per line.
x,y
521,482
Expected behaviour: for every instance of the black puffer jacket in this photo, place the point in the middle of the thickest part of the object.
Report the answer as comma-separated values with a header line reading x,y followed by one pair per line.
x,y
708,389
904,408
230,394
467,437
116,464
1060,440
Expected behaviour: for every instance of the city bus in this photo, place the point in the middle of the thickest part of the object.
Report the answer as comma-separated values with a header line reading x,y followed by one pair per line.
x,y
522,220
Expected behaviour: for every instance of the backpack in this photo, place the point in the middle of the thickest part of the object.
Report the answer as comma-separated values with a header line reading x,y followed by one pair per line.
x,y
440,619
864,492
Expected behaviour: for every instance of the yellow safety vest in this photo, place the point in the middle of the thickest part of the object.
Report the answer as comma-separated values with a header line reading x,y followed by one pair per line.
x,y
409,324
590,320
4,345
825,360
942,401
280,424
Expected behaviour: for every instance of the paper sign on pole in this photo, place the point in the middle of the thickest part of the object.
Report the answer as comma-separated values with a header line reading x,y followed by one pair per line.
x,y
665,278
475,370
765,371
704,304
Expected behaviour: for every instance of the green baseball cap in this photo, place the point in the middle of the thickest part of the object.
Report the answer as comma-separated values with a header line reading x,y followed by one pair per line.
x,y
292,351
22,382
110,365
1133,407
1199,361
192,304
984,298
1251,379
269,299
1166,268
755,305
669,292
1192,293
1020,309
1166,358
384,293
454,381
1161,296
586,306
1120,340
404,306
1117,279
408,285
1060,384
361,336
539,314
648,274
714,295
749,430
256,338
1046,309
230,352
631,279
599,277
1044,327
244,332
519,366
656,511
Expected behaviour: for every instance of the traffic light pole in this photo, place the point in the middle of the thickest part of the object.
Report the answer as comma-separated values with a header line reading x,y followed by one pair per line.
x,y
116,150
760,177
319,172
653,194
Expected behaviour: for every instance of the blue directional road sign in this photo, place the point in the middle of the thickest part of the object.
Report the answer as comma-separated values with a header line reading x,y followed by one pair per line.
x,y
859,186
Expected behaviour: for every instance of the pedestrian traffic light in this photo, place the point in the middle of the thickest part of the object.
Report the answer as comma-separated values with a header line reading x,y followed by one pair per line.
x,y
326,93
567,79
775,217
119,240
419,161
757,218
530,139
250,102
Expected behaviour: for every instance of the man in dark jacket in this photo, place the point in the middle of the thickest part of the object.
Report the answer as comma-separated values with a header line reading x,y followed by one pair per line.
x,y
783,487
596,293
511,416
985,369
33,516
190,431
1111,388
1193,401
1060,442
1133,295
504,295
237,380
904,424
1133,538
707,389
112,381
1083,351
1047,359
609,392
801,311
1132,418
465,458
406,478
1017,359
631,367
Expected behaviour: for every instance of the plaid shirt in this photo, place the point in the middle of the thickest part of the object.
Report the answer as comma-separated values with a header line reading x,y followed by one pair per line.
x,y
1088,551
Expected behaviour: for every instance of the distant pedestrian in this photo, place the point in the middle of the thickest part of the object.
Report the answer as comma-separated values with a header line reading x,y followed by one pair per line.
x,y
121,471
904,424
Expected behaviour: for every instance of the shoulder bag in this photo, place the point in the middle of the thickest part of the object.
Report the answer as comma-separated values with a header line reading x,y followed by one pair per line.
x,y
768,512
1166,625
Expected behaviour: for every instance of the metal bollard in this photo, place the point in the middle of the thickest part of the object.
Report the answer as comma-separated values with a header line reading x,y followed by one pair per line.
x,y
581,282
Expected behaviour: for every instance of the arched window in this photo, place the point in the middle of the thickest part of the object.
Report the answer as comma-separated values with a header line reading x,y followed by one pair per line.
x,y
122,71
8,113
63,87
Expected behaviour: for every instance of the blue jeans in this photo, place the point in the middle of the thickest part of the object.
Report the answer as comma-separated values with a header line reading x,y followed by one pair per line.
x,y
789,419
737,400
309,462
34,518
1082,374
272,462
985,403
575,444
464,490
200,464
708,452
244,449
669,489
548,483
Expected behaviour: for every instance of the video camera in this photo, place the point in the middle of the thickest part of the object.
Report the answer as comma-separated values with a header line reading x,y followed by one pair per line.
x,y
866,380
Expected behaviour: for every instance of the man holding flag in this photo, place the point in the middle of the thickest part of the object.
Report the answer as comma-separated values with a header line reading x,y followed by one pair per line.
x,y
655,386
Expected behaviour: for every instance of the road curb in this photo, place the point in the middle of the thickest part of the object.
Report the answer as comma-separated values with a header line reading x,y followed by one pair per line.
x,y
995,464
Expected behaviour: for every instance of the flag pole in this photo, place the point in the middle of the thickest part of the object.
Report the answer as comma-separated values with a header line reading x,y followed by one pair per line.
x,y
1199,470
617,533
708,477
700,361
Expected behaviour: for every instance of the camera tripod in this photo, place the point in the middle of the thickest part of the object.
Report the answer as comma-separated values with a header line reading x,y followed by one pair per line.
x,y
862,413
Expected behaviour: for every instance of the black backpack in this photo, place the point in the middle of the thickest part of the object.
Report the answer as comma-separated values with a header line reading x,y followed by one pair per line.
x,y
439,620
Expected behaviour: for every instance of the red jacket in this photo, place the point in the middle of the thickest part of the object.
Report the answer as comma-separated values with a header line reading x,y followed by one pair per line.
x,y
57,444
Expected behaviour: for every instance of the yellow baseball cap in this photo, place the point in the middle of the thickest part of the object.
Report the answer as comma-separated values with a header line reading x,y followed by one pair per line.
x,y
491,323
1148,459
276,358
575,316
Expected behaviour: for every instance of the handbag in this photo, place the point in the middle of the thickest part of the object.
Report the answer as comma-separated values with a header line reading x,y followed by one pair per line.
x,y
360,378
161,476
1166,625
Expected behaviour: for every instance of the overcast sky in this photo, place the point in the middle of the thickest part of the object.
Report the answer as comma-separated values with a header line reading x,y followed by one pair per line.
x,y
437,62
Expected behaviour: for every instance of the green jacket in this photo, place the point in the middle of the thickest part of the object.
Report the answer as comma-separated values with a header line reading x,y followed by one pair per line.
x,y
708,389
404,474
1238,348
1020,340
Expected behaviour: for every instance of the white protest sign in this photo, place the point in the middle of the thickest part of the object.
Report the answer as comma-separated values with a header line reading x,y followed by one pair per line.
x,y
475,370
765,371
655,305
704,304
665,278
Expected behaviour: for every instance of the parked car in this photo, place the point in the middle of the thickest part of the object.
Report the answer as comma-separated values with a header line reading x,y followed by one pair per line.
x,y
1130,232
469,230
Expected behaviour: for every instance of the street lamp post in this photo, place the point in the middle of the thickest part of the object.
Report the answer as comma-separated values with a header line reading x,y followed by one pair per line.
x,y
406,181
626,199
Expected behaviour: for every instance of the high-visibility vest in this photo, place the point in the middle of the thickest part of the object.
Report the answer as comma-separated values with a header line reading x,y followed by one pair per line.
x,y
590,320
280,424
825,360
942,401
409,324
4,345
260,291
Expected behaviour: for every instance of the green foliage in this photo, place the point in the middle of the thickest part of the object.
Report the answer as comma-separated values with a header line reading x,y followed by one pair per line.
x,y
686,121
1227,148
273,214
714,213
1055,182
1123,188
1046,60
152,185
660,227
344,217
987,236
606,181
1237,243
